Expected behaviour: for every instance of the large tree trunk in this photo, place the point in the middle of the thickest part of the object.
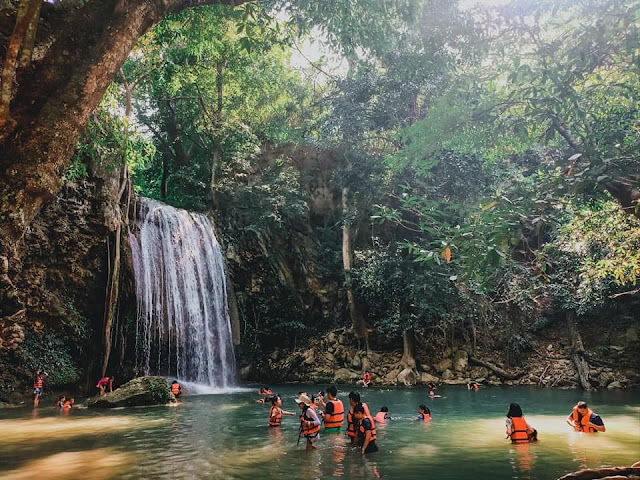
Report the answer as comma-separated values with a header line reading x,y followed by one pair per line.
x,y
217,137
577,354
357,319
409,348
52,107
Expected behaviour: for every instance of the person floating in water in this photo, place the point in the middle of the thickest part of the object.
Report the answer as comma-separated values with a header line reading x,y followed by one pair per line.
x,y
382,415
354,399
265,391
38,386
309,422
366,430
582,419
518,430
276,412
333,411
472,386
60,402
432,386
176,389
366,379
424,414
432,394
269,395
102,385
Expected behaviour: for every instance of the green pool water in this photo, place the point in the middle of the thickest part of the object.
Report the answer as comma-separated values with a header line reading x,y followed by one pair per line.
x,y
226,436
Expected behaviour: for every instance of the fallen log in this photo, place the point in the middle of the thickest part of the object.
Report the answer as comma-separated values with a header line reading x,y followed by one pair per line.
x,y
500,372
610,473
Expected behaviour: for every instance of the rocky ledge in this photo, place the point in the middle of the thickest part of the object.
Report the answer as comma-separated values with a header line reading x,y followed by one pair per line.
x,y
141,391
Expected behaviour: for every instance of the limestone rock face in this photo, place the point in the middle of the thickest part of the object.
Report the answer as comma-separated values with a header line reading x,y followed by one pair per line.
x,y
140,391
443,365
426,378
407,377
356,362
447,375
460,361
614,385
344,375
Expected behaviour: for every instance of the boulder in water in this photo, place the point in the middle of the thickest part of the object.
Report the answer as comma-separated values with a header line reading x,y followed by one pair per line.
x,y
407,377
140,391
426,378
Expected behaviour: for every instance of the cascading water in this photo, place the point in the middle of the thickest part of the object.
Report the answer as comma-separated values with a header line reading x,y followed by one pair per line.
x,y
183,325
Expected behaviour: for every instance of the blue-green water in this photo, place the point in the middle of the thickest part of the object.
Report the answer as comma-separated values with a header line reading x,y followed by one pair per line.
x,y
225,436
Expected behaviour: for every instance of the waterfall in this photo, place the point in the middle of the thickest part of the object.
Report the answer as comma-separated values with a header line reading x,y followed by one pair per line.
x,y
183,326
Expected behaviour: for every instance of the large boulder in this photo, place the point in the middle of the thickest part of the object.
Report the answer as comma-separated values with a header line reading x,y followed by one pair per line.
x,y
407,377
309,356
137,392
445,364
426,378
460,361
366,364
447,375
344,376
356,362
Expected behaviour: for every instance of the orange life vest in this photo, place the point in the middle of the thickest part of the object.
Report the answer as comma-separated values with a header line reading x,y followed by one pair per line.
x,y
67,404
519,430
380,417
275,420
366,378
38,382
583,421
373,428
351,428
426,417
308,431
335,419
175,388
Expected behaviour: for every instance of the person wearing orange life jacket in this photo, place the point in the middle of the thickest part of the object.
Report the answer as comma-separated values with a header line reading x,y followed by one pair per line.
x,y
276,412
424,414
354,399
518,430
582,419
309,422
382,415
333,411
176,389
366,379
365,429
38,385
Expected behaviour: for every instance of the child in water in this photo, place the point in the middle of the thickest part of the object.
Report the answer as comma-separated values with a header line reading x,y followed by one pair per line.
x,y
432,394
60,403
276,412
382,415
424,414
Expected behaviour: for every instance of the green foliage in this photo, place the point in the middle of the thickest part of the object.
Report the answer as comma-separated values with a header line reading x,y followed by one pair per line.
x,y
51,354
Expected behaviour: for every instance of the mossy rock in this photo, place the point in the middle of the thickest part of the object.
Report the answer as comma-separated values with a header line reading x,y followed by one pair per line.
x,y
140,391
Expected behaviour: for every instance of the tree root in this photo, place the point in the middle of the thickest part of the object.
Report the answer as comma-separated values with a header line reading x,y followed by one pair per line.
x,y
503,374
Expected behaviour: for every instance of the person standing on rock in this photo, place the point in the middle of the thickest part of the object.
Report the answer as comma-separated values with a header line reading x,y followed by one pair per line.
x,y
38,385
309,422
354,399
582,419
333,411
102,385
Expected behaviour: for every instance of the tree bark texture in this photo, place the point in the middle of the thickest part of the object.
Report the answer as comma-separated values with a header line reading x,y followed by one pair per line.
x,y
54,101
500,372
357,319
409,348
577,354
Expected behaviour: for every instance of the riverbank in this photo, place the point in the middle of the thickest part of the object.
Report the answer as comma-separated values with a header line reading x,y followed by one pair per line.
x,y
339,358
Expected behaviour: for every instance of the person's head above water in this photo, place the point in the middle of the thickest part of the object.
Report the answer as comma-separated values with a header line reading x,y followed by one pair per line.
x,y
424,410
303,401
358,411
354,398
514,411
332,391
175,381
384,409
582,405
276,400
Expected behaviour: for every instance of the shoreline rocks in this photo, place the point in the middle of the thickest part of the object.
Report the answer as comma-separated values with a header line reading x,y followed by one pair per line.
x,y
141,391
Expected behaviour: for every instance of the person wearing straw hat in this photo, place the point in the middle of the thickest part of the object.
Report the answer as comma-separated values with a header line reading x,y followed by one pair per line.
x,y
309,422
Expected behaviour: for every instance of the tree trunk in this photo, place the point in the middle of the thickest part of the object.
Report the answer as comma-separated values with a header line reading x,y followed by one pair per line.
x,y
30,36
234,315
112,300
357,319
51,108
577,355
500,372
165,177
217,149
409,348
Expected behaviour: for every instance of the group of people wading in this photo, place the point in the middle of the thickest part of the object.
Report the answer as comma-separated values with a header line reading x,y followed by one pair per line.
x,y
581,419
361,427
